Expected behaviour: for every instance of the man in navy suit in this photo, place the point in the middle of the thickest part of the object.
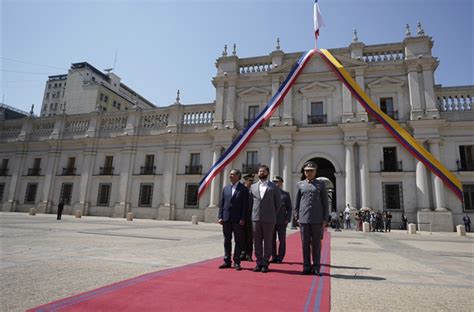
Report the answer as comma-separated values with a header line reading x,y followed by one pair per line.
x,y
232,210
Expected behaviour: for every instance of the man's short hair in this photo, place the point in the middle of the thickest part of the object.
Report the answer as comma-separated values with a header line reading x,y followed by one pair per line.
x,y
237,172
264,167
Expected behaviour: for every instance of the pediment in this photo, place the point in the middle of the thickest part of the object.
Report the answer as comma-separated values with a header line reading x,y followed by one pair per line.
x,y
386,82
317,87
254,92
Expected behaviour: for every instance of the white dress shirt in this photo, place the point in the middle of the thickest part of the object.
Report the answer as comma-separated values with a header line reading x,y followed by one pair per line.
x,y
263,188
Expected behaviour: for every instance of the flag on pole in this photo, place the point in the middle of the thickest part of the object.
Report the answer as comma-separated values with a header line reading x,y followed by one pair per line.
x,y
318,20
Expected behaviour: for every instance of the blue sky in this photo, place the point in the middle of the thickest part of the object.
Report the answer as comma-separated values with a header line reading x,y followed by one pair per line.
x,y
163,46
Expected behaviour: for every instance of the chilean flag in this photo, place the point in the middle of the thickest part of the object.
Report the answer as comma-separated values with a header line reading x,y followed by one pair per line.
x,y
318,20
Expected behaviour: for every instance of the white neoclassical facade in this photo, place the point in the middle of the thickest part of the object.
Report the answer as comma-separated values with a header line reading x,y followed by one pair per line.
x,y
150,161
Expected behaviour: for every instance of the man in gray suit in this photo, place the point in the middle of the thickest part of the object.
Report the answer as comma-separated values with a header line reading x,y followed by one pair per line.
x,y
311,212
265,200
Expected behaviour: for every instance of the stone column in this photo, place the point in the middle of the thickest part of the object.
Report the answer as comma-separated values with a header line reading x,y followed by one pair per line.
x,y
210,214
85,182
125,165
274,161
414,90
350,175
346,104
230,105
440,202
219,108
422,192
16,170
364,174
166,209
429,92
287,165
49,180
287,108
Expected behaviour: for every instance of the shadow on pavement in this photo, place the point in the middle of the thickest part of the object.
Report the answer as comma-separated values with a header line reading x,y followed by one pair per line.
x,y
344,267
358,277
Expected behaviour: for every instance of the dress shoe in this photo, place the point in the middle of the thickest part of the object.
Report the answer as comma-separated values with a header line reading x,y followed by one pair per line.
x,y
306,272
249,258
237,267
265,269
274,260
257,268
318,273
279,261
224,266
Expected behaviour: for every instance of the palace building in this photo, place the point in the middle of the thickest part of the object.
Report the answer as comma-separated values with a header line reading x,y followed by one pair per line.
x,y
149,160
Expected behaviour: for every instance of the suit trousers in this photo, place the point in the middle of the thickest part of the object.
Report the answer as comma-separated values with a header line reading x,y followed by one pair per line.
x,y
311,235
247,238
262,239
280,231
228,228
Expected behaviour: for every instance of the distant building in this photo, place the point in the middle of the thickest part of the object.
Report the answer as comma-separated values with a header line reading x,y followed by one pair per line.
x,y
150,161
85,89
7,112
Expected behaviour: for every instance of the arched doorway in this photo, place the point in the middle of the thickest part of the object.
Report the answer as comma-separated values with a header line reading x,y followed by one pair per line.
x,y
326,172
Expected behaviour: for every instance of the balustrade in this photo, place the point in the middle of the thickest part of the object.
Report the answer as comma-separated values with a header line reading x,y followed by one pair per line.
x,y
383,56
198,118
153,120
255,68
42,126
113,123
455,103
77,124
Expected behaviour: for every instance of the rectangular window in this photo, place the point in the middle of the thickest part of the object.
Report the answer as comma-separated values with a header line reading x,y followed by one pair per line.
x,y
2,190
66,193
37,163
390,162
106,98
392,196
101,96
4,167
103,198
149,161
252,114
47,95
190,196
71,162
251,166
468,193
30,196
317,114
386,105
252,157
466,152
146,195
194,164
108,168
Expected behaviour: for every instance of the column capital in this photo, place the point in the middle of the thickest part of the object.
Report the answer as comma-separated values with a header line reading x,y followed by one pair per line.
x,y
349,143
363,142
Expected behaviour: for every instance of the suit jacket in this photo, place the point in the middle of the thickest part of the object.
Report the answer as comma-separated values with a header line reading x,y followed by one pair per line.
x,y
311,202
265,209
284,214
234,207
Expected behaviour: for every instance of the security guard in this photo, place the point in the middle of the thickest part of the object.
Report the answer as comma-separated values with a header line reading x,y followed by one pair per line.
x,y
311,212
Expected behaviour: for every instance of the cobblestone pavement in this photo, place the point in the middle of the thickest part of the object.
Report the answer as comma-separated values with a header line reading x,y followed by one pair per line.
x,y
43,259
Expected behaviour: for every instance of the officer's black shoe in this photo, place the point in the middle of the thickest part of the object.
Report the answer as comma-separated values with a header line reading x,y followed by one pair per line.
x,y
225,265
257,268
249,258
237,267
318,273
265,269
306,272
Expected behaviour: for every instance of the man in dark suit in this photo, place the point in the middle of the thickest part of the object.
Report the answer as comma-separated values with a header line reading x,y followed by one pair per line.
x,y
247,239
232,210
311,211
60,210
282,220
265,201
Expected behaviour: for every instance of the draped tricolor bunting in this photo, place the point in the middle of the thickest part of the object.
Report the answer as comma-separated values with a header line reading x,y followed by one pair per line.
x,y
400,134
239,143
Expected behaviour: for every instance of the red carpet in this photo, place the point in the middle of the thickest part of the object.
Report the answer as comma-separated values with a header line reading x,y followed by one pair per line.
x,y
203,287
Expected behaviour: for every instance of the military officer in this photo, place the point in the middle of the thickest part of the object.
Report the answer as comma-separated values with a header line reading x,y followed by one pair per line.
x,y
311,212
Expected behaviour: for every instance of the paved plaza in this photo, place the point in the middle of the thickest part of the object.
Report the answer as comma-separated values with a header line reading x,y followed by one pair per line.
x,y
43,260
